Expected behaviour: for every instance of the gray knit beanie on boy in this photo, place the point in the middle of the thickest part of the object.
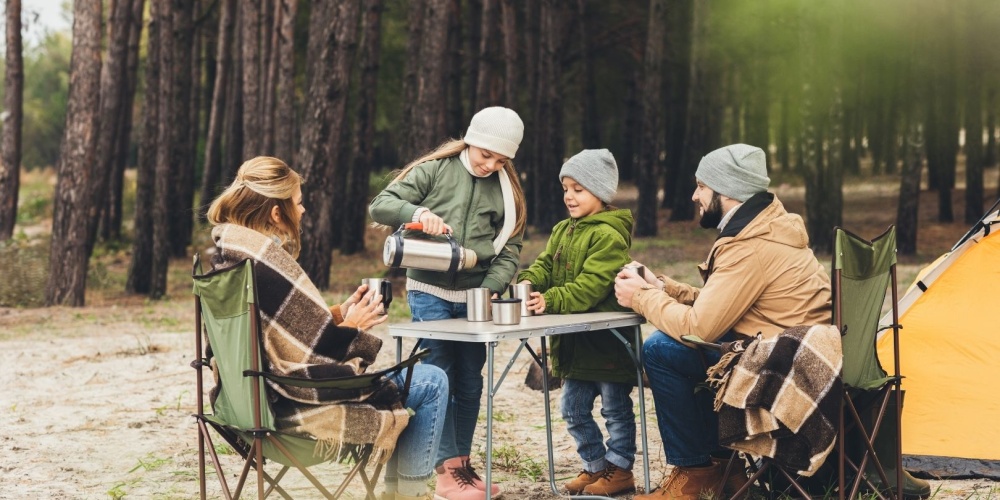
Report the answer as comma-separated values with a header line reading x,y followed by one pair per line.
x,y
496,129
595,170
738,171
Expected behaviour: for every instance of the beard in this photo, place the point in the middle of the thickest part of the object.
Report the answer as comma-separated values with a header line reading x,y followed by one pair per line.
x,y
713,214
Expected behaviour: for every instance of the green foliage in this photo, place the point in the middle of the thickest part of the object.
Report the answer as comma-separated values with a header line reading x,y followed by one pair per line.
x,y
509,458
46,91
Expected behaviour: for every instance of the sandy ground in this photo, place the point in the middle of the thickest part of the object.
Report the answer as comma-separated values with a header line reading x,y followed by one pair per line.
x,y
96,403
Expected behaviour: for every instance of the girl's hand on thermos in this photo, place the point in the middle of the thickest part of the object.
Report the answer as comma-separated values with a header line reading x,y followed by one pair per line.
x,y
433,225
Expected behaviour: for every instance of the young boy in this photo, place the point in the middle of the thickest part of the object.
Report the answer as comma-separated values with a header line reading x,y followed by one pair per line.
x,y
576,274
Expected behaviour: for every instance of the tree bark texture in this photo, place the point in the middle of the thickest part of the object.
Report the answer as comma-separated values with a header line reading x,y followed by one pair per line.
x,y
908,208
13,119
546,205
651,130
973,114
333,27
113,92
166,153
363,147
508,13
182,165
488,81
75,170
212,168
111,218
140,275
249,26
232,125
284,109
411,67
677,59
270,39
590,133
455,120
429,121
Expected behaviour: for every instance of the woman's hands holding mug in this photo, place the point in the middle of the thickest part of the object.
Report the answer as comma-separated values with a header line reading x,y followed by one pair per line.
x,y
366,310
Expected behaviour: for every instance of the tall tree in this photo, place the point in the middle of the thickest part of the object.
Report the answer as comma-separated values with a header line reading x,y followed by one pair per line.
x,y
677,60
546,205
75,170
415,14
181,122
111,214
212,168
363,146
140,275
651,132
508,13
249,42
455,118
333,27
590,131
284,109
974,60
166,153
113,93
429,114
488,81
13,116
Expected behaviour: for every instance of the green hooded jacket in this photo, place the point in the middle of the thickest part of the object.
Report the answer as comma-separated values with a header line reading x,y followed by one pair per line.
x,y
472,206
576,273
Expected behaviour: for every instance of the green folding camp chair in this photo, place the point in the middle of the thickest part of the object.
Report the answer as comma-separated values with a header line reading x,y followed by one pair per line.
x,y
226,310
862,273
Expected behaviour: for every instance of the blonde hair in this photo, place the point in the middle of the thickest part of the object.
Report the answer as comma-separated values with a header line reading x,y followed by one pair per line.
x,y
261,184
453,147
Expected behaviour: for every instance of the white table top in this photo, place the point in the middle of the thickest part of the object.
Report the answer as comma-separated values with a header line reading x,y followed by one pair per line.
x,y
545,325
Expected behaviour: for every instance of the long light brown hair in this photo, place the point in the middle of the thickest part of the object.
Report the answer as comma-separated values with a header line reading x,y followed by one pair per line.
x,y
453,147
261,184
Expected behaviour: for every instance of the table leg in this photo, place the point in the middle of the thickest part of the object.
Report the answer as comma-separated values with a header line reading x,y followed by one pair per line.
x,y
548,417
489,419
635,351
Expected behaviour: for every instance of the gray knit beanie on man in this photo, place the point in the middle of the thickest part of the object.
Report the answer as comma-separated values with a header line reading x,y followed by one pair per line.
x,y
496,129
738,171
595,170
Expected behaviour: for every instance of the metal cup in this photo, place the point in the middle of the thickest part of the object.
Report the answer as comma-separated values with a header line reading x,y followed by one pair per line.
x,y
522,291
477,304
384,287
506,311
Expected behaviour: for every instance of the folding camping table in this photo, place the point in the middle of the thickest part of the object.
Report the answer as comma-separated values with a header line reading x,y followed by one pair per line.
x,y
540,327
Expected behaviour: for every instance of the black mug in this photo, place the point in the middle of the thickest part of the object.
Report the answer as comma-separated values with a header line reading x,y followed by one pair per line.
x,y
384,287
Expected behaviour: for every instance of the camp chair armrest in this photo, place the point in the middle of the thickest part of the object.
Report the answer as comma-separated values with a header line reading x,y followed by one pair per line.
x,y
701,343
353,382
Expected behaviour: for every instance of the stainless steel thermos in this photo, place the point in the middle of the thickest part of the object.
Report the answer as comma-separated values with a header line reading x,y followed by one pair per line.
x,y
421,253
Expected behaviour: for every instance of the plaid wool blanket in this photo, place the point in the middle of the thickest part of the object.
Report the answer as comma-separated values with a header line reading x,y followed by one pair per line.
x,y
779,397
302,340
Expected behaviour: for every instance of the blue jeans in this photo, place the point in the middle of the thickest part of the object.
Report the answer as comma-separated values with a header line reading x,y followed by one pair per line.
x,y
616,407
428,398
463,362
688,426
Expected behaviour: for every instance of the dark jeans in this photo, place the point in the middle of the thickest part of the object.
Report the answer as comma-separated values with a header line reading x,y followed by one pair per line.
x,y
688,426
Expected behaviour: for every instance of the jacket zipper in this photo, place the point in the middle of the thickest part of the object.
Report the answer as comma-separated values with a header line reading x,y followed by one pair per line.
x,y
465,224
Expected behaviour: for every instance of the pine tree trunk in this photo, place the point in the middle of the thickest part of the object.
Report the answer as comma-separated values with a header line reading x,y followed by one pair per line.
x,y
548,122
411,67
269,41
429,111
590,133
487,82
166,152
113,92
677,60
111,218
333,30
908,207
455,120
140,267
249,26
284,110
363,150
13,119
701,89
182,168
508,14
212,167
973,115
76,168
232,126
651,130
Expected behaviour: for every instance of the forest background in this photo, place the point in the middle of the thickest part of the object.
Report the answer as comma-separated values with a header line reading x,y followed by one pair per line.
x,y
117,132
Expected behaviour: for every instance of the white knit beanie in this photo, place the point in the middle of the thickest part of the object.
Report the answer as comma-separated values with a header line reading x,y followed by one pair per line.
x,y
595,170
496,129
738,171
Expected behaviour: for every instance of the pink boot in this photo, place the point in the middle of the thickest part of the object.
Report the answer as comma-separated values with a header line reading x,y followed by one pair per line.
x,y
455,483
478,481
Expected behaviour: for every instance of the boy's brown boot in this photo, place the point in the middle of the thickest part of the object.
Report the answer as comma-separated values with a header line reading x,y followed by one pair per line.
x,y
735,480
584,479
686,483
613,481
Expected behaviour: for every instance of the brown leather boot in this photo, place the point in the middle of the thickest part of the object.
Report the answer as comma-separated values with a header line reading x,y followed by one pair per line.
x,y
736,479
614,481
583,479
686,483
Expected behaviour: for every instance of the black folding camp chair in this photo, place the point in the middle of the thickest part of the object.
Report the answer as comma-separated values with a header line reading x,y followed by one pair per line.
x,y
226,311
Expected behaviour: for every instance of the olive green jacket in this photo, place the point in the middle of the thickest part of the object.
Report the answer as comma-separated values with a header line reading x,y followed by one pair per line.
x,y
472,206
576,273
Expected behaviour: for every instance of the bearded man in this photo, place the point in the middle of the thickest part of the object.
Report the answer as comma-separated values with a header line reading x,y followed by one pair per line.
x,y
760,278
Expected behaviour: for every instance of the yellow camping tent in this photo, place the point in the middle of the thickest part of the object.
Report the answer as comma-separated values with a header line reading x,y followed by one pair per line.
x,y
950,358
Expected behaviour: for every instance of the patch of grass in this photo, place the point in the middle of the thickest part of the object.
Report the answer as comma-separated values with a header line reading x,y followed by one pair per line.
x,y
510,459
26,269
150,463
